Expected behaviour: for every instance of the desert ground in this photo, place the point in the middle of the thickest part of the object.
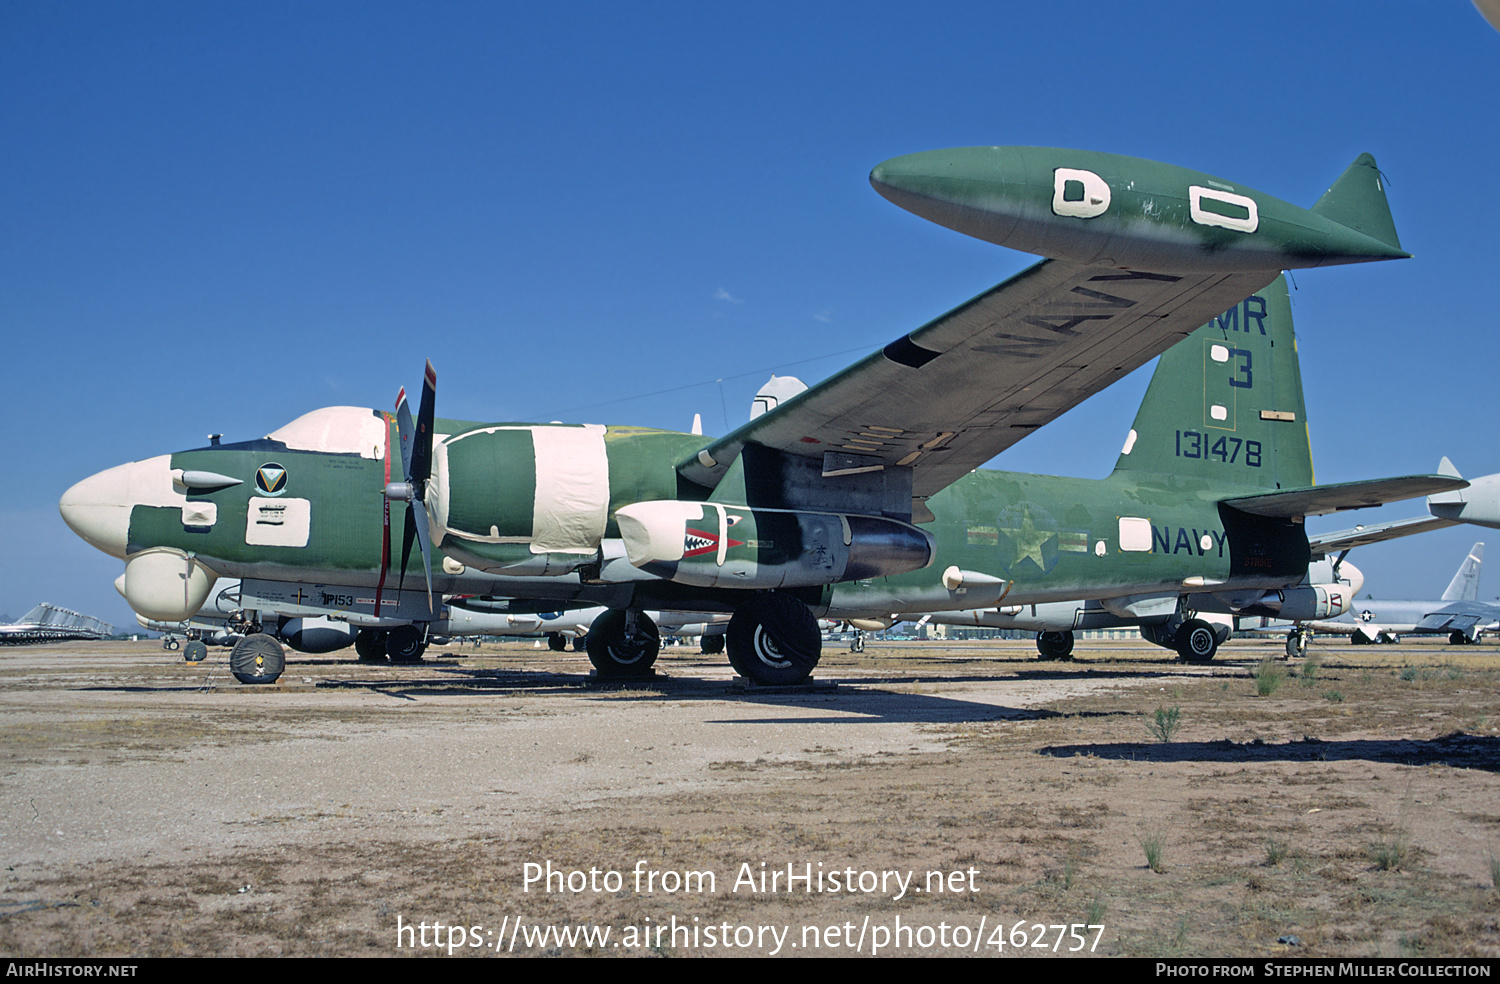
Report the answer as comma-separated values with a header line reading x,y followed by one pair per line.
x,y
924,798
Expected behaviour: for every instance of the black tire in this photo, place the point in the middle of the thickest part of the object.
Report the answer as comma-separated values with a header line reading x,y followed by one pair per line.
x,y
370,645
1197,641
1457,639
195,652
1054,645
171,645
556,642
405,645
711,645
858,645
257,658
613,655
580,644
774,640
1296,645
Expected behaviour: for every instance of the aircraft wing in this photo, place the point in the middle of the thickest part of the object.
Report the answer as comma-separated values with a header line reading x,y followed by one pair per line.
x,y
1324,544
1318,500
949,396
1459,616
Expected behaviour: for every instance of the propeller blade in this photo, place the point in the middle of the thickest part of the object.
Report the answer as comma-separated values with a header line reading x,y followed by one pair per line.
x,y
416,461
407,432
424,539
421,455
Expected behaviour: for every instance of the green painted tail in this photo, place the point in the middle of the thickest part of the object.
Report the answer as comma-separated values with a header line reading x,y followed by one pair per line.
x,y
1357,200
1225,404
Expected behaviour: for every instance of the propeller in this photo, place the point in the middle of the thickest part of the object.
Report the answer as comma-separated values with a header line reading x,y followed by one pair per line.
x,y
416,462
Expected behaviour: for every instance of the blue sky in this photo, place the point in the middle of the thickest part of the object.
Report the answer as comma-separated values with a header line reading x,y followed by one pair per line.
x,y
217,217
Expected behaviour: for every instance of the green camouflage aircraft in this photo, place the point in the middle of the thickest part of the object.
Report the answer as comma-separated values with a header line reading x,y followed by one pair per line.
x,y
856,497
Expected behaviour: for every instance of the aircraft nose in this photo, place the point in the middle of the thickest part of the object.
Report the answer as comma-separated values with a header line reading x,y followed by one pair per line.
x,y
98,508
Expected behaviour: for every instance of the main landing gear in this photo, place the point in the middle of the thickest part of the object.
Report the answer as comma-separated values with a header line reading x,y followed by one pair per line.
x,y
1194,640
1296,644
774,640
623,643
1197,641
1054,645
404,644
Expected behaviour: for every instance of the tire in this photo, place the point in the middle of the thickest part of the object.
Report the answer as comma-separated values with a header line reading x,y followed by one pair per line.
x,y
580,644
1457,639
405,645
1197,641
774,640
858,645
1296,645
257,658
711,645
613,655
556,642
370,645
171,645
1054,645
195,652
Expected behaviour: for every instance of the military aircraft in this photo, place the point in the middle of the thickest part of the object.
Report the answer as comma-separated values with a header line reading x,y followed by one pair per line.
x,y
1459,613
856,495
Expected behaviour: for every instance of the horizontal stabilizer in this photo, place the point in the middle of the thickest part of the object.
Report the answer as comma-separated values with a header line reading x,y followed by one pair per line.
x,y
1362,536
1319,500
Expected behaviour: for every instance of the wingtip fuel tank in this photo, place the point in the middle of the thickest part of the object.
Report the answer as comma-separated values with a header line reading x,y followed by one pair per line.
x,y
1100,209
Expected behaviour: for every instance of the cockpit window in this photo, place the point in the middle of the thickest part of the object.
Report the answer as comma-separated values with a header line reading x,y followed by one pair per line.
x,y
337,430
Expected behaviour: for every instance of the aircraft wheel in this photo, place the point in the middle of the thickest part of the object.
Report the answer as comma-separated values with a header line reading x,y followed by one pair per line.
x,y
774,640
614,654
858,645
712,645
1197,641
1457,639
556,642
257,658
195,652
370,645
1054,645
170,644
580,643
1296,645
405,645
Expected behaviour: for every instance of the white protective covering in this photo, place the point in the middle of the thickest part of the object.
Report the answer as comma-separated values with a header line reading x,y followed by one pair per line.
x,y
340,430
572,489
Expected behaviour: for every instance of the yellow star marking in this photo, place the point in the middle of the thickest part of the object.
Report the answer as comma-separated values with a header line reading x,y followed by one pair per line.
x,y
1028,540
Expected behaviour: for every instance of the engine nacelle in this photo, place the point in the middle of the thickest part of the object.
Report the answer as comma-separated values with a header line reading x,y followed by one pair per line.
x,y
707,544
1303,603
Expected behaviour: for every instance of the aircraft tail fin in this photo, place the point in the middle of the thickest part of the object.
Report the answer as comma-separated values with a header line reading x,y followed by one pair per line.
x,y
1225,404
1357,200
1465,584
778,390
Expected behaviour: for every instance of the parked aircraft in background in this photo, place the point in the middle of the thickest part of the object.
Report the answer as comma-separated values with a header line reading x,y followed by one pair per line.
x,y
48,623
1458,613
856,496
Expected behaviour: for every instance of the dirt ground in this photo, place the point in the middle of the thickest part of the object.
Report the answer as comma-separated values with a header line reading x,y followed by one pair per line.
x,y
926,798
